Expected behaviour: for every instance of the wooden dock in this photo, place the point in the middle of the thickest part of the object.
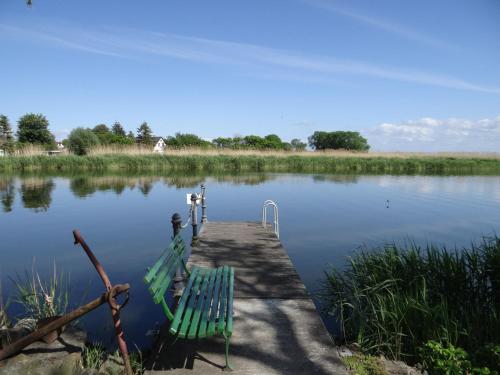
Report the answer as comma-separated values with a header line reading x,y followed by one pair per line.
x,y
277,329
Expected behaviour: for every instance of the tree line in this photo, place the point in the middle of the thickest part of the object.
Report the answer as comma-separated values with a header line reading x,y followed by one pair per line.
x,y
34,129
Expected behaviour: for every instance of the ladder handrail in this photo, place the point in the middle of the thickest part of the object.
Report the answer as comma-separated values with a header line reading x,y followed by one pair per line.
x,y
276,216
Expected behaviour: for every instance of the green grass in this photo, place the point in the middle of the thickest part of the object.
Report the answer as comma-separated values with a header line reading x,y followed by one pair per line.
x,y
392,301
359,364
253,163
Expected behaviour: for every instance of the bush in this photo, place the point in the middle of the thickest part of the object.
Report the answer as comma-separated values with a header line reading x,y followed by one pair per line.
x,y
80,140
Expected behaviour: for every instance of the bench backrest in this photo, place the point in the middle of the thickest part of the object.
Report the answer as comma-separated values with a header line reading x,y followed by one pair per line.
x,y
161,276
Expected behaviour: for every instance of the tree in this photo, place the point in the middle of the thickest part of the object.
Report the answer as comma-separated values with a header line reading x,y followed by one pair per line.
x,y
297,145
103,133
186,140
6,137
272,141
345,140
118,130
81,140
145,134
34,128
131,136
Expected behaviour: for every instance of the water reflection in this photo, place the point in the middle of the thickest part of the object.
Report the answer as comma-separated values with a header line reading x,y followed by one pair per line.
x,y
36,193
7,193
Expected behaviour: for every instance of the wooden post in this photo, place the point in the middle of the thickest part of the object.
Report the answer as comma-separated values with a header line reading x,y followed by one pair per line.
x,y
178,284
194,218
203,205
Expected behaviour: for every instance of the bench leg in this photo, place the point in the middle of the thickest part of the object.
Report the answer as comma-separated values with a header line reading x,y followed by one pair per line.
x,y
227,367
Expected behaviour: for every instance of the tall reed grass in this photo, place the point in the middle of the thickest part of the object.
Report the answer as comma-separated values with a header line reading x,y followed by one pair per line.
x,y
394,300
261,162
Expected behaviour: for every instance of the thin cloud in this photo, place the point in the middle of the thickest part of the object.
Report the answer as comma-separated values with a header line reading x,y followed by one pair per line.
x,y
428,134
249,59
383,25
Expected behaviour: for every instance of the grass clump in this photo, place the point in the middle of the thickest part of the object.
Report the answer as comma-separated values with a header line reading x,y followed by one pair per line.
x,y
359,364
93,356
393,300
39,299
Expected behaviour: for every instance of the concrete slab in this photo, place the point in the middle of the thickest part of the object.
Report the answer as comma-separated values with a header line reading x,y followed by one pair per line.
x,y
272,336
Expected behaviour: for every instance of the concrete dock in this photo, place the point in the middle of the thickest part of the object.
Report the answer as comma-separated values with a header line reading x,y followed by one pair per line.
x,y
277,329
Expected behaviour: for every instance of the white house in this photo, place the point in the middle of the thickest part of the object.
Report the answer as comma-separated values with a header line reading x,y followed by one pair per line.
x,y
60,146
159,144
2,152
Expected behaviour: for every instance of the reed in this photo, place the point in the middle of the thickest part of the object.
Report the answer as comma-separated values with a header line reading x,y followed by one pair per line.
x,y
41,299
393,300
208,162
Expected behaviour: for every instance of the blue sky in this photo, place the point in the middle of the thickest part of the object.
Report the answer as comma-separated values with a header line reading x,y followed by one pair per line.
x,y
417,76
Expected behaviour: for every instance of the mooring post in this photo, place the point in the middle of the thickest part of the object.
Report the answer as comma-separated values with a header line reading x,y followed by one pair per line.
x,y
194,218
203,205
178,280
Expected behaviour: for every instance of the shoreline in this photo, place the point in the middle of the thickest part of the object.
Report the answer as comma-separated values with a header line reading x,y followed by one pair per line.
x,y
236,163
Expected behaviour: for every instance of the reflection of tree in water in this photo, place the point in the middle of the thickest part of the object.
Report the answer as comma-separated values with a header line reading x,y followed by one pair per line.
x,y
7,193
338,179
145,185
36,193
85,186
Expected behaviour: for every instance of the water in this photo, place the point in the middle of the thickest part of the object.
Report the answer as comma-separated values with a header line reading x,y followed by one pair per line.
x,y
126,221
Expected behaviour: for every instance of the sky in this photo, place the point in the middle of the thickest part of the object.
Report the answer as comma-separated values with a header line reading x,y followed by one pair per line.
x,y
409,75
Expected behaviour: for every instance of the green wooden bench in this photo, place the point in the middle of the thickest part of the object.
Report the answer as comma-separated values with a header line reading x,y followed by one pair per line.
x,y
205,307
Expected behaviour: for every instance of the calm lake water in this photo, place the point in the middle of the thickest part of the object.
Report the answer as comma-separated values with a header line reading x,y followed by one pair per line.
x,y
126,221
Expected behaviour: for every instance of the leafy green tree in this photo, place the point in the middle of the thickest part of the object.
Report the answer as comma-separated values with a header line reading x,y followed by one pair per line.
x,y
81,140
297,145
337,140
131,136
254,141
145,134
222,142
103,133
186,140
118,130
272,141
34,128
6,137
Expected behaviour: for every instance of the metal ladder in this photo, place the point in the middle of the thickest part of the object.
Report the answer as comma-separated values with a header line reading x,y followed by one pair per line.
x,y
276,216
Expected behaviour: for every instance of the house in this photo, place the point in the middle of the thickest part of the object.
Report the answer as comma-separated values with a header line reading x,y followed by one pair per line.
x,y
60,146
159,144
2,152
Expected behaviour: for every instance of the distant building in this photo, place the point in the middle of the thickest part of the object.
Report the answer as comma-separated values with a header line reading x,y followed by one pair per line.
x,y
159,144
60,146
2,152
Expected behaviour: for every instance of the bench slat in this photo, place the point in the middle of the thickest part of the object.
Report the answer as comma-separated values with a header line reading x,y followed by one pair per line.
x,y
202,300
215,303
180,308
157,281
152,272
223,301
192,301
206,308
229,324
167,281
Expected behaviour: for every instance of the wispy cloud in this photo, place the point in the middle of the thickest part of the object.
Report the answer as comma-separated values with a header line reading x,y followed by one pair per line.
x,y
249,59
429,134
383,25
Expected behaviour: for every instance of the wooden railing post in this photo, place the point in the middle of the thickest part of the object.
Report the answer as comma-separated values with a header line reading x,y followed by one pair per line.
x,y
203,205
194,218
178,280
